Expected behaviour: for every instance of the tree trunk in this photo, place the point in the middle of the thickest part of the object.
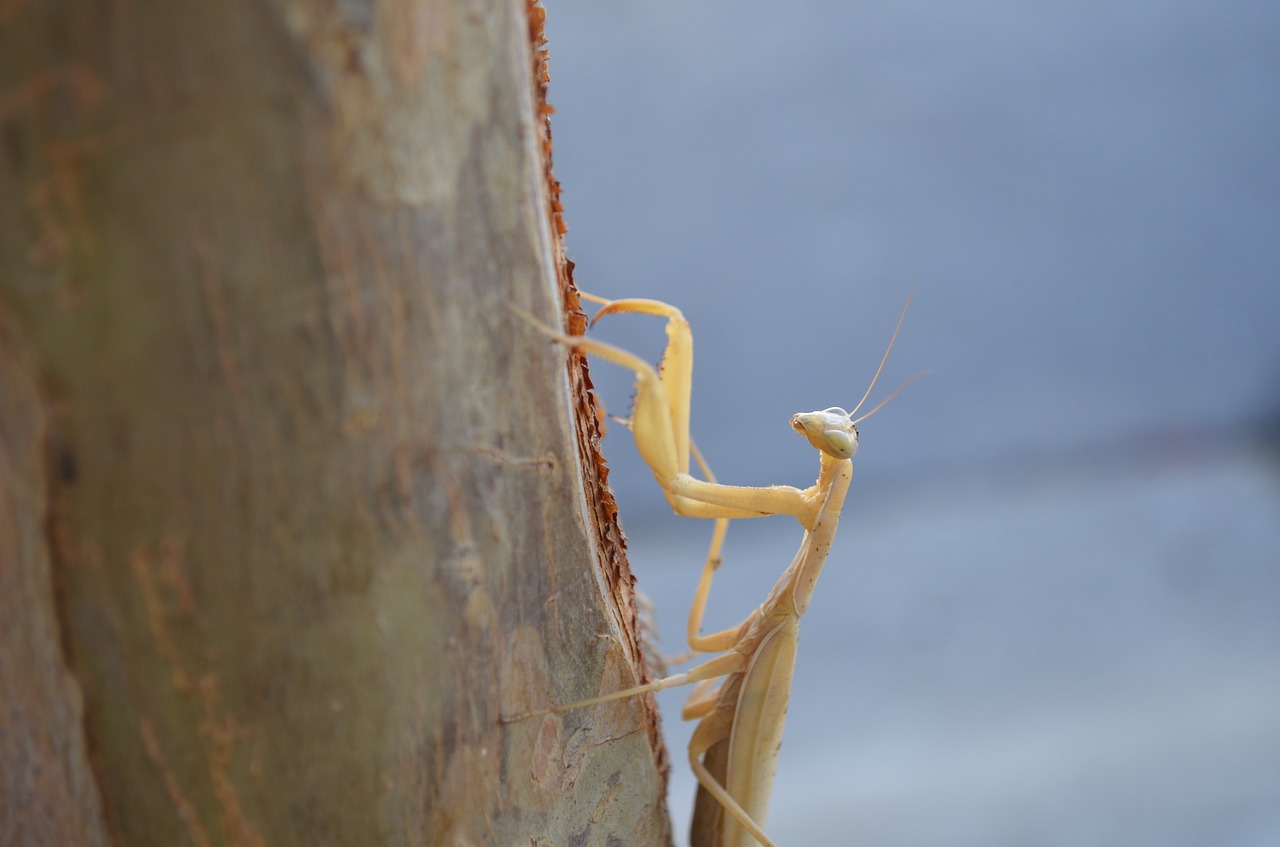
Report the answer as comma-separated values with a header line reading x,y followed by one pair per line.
x,y
293,509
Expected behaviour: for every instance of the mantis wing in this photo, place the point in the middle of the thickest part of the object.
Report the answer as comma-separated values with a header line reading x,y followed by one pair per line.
x,y
749,756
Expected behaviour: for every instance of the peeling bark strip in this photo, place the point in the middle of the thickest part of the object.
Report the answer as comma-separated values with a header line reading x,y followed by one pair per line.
x,y
618,579
311,491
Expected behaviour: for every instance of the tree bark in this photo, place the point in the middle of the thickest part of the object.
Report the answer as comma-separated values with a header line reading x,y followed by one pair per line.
x,y
293,509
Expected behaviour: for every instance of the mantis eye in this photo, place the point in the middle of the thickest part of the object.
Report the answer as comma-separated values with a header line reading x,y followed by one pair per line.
x,y
840,444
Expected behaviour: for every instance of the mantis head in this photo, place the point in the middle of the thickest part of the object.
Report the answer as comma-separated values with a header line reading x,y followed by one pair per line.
x,y
835,431
830,431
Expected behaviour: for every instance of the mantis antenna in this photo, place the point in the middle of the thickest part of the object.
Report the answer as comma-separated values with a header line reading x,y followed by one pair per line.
x,y
894,393
884,359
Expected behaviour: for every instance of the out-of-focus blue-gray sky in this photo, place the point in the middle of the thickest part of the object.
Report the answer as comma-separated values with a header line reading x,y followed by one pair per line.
x,y
1051,616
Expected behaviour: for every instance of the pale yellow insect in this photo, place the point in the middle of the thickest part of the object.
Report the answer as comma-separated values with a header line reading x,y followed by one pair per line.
x,y
734,748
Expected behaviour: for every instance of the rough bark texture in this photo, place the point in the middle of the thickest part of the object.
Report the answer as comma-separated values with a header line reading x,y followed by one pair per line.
x,y
289,499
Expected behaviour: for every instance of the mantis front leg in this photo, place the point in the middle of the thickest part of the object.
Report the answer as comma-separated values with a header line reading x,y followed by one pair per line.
x,y
660,422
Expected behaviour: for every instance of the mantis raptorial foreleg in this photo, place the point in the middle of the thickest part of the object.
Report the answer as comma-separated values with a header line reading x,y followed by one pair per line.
x,y
660,422
734,748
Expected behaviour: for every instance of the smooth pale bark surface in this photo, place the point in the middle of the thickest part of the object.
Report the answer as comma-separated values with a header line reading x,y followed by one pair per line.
x,y
47,793
291,501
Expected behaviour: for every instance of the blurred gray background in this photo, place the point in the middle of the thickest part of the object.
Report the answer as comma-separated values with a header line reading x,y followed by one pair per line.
x,y
1052,615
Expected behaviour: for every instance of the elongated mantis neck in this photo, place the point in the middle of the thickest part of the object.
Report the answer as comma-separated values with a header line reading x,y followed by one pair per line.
x,y
829,467
833,482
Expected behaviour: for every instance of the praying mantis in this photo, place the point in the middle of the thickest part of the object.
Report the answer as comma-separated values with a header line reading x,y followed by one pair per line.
x,y
734,748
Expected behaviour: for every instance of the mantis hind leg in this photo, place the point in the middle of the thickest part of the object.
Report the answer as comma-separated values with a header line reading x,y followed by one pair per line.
x,y
712,738
707,826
